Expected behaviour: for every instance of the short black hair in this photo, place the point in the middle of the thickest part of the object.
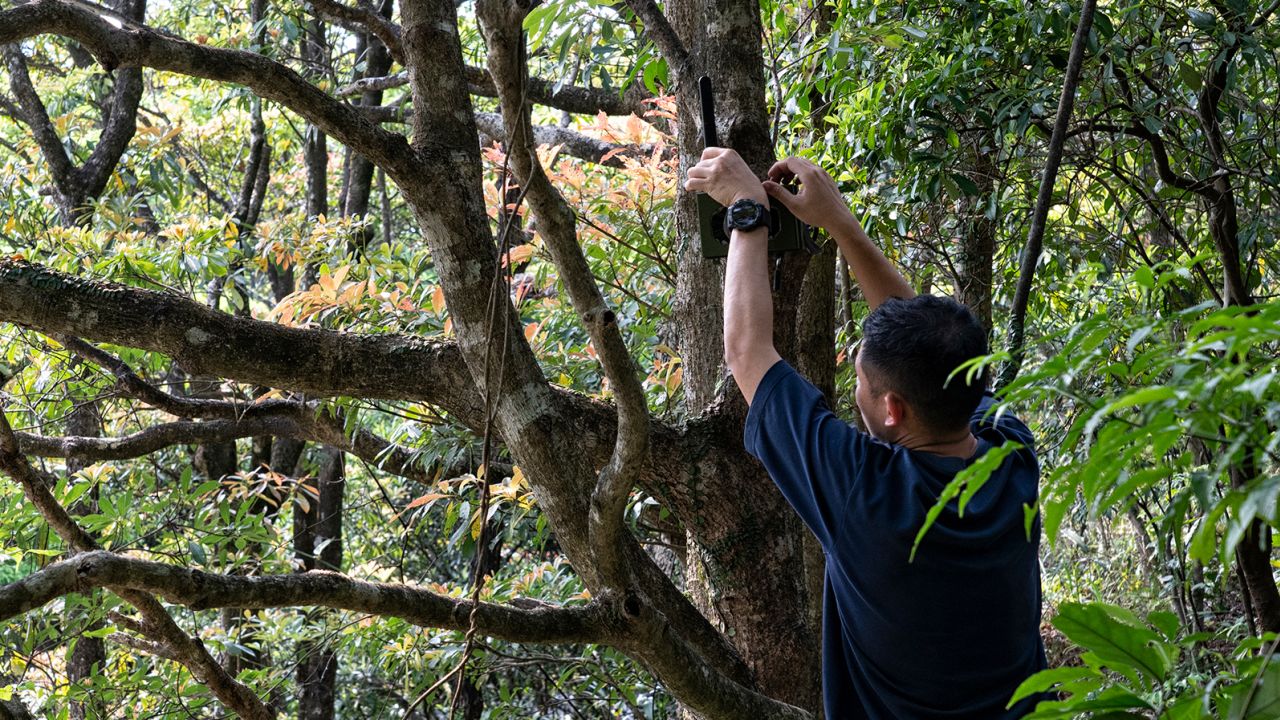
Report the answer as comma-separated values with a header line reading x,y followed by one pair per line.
x,y
912,347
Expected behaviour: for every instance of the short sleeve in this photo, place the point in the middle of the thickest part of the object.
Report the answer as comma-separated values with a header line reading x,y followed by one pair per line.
x,y
986,417
812,455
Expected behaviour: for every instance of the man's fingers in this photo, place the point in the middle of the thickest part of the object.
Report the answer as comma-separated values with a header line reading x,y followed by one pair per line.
x,y
714,152
782,170
778,192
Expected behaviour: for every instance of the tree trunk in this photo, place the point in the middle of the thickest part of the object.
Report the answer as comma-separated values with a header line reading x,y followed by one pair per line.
x,y
978,241
89,656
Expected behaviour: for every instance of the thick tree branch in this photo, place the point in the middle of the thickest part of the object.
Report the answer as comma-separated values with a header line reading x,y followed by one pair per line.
x,y
129,44
570,98
207,342
659,30
591,623
502,24
365,16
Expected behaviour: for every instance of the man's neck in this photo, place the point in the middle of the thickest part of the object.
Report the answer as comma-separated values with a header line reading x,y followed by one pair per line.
x,y
958,445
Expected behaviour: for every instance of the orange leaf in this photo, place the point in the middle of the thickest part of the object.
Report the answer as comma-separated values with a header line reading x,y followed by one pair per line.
x,y
424,500
520,254
437,300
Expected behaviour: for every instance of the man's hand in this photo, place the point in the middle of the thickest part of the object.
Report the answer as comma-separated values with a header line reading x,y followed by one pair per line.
x,y
818,201
723,175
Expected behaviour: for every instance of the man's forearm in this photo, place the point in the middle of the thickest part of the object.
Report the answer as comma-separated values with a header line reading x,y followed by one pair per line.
x,y
748,310
877,277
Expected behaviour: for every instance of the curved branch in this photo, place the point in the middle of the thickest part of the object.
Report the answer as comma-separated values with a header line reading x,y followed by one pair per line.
x,y
36,117
662,34
502,24
302,425
539,623
572,143
368,18
129,44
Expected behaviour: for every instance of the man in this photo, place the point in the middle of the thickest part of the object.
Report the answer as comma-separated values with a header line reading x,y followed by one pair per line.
x,y
952,633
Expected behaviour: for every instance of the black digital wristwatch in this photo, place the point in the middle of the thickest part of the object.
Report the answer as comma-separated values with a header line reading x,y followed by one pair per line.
x,y
745,215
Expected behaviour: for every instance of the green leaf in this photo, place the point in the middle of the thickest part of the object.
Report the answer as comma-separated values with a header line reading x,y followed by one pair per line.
x,y
197,552
1144,277
77,491
1202,19
1258,699
1046,679
1166,622
1116,643
970,480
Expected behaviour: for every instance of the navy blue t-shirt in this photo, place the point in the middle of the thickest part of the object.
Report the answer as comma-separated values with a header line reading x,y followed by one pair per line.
x,y
950,635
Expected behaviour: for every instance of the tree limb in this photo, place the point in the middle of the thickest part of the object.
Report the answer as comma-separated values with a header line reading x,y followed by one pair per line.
x,y
1035,237
502,24
206,342
367,17
130,44
591,623
570,98
662,34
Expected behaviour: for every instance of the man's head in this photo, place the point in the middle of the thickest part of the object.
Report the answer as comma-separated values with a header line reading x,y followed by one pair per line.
x,y
909,349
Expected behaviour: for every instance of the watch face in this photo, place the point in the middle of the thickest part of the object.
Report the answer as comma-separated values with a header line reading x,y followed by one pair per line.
x,y
745,214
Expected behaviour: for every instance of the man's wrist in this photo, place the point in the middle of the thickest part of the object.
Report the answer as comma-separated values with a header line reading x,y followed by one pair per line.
x,y
759,233
847,229
759,196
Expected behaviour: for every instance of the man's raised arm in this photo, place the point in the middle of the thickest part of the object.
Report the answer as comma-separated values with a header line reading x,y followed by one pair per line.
x,y
819,203
748,300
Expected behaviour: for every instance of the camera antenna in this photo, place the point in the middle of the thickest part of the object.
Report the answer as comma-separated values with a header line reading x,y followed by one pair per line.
x,y
709,138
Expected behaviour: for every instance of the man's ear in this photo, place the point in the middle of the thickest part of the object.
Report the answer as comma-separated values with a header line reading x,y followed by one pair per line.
x,y
896,409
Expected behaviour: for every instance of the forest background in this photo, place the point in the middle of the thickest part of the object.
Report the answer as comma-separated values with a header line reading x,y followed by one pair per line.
x,y
360,360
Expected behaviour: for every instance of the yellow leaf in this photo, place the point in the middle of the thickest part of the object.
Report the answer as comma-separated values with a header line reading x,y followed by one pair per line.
x,y
10,224
267,396
674,380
